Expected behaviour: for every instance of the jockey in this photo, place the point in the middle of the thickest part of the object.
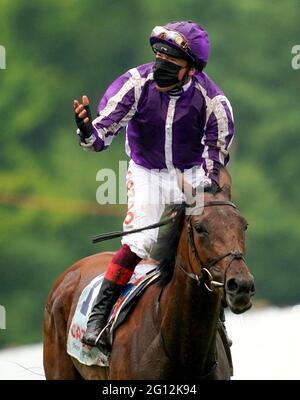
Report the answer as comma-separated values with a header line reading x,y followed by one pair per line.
x,y
176,119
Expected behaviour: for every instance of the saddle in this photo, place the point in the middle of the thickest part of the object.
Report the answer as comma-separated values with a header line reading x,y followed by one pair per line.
x,y
144,275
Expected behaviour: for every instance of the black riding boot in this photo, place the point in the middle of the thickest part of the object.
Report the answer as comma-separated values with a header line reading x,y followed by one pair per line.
x,y
106,298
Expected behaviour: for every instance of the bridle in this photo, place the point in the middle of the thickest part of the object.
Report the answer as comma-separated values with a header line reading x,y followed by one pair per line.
x,y
205,273
205,270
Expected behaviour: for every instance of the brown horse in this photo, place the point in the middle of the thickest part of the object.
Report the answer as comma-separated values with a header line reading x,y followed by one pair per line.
x,y
174,331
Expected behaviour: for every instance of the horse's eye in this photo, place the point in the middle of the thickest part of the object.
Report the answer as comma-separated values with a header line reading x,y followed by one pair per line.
x,y
200,229
246,226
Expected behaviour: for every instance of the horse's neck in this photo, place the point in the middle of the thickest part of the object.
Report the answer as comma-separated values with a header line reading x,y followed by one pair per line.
x,y
190,316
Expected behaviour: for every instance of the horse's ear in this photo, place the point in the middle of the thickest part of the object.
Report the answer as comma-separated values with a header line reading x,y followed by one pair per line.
x,y
188,190
225,182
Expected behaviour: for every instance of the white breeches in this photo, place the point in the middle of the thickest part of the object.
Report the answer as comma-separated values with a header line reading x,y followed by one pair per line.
x,y
149,191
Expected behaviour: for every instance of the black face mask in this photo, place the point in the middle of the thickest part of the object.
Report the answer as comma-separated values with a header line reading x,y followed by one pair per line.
x,y
165,73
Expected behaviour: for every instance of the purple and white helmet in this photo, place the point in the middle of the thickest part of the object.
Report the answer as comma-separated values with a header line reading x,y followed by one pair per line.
x,y
184,39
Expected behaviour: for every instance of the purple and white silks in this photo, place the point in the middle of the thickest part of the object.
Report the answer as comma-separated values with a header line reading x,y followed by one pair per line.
x,y
162,131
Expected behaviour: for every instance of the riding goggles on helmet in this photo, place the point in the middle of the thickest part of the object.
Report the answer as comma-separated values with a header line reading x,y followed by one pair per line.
x,y
177,38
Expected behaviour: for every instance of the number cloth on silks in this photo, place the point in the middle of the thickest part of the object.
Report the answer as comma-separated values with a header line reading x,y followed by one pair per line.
x,y
143,275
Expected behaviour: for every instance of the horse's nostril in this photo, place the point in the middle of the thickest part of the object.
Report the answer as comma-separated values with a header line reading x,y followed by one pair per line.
x,y
239,286
232,285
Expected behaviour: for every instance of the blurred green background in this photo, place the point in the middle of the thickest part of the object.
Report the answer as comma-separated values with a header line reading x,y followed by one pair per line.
x,y
56,51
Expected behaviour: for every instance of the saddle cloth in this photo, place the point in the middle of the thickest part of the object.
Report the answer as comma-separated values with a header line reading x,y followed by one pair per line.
x,y
142,277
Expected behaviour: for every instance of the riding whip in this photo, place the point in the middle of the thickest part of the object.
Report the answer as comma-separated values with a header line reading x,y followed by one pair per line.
x,y
113,235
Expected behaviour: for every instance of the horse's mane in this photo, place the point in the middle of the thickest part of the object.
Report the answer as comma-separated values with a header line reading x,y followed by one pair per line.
x,y
166,249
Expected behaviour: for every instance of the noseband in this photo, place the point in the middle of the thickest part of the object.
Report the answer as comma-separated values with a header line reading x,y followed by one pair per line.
x,y
205,270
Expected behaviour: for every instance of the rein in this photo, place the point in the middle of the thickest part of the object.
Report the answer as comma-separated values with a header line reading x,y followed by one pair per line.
x,y
234,255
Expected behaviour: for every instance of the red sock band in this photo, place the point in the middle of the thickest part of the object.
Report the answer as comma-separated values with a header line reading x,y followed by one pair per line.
x,y
118,274
122,266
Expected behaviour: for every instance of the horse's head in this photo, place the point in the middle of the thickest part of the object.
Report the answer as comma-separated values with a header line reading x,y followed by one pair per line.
x,y
217,241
